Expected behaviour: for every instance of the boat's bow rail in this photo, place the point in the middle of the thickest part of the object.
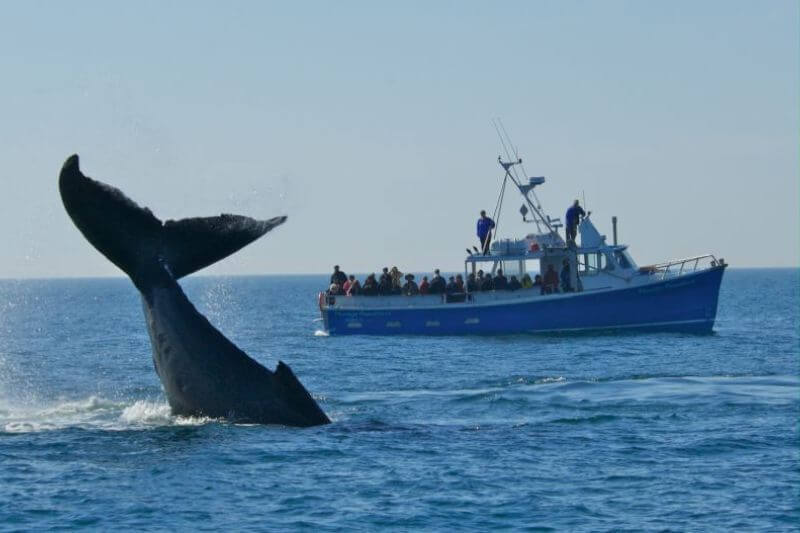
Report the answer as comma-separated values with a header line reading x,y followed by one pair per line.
x,y
681,267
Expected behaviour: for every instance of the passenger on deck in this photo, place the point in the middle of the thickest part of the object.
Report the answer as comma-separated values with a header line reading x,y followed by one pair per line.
x,y
500,281
424,287
550,284
526,281
338,276
370,287
397,280
460,283
572,219
410,287
353,286
537,282
479,281
566,280
385,283
437,283
346,285
451,287
487,284
472,284
485,225
335,289
514,284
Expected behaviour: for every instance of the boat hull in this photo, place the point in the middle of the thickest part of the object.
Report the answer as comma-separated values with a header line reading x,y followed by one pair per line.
x,y
687,304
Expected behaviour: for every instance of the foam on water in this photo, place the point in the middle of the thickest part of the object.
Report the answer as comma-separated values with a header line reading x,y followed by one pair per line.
x,y
93,412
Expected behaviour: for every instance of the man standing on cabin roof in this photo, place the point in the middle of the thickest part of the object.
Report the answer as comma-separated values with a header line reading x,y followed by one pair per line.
x,y
573,218
485,226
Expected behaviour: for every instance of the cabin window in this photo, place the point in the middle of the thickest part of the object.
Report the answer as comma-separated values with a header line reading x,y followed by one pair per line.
x,y
609,262
590,264
594,263
622,260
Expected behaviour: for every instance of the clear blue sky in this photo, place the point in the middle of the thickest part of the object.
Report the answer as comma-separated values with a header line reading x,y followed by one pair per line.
x,y
368,123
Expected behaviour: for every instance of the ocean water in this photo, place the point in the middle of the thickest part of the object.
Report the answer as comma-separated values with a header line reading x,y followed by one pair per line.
x,y
586,432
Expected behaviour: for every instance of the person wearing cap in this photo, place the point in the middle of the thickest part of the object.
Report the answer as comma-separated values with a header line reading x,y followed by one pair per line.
x,y
410,287
572,219
485,226
338,276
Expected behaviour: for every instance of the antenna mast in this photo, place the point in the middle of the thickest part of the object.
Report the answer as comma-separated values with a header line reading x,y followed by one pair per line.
x,y
511,174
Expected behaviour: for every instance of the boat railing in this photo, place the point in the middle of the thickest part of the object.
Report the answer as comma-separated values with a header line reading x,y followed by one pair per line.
x,y
682,267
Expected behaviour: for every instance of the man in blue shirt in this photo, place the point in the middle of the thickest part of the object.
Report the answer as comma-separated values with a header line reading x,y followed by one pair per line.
x,y
573,218
485,225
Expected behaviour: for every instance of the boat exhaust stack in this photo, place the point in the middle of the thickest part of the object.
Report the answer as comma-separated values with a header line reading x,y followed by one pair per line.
x,y
614,225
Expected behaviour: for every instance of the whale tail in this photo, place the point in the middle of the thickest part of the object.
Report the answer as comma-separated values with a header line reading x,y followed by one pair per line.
x,y
136,241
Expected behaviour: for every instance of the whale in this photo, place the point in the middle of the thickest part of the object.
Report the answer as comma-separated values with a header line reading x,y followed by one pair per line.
x,y
202,372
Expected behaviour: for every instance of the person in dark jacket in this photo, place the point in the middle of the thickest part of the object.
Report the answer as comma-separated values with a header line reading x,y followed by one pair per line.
x,y
472,284
500,281
437,283
566,280
410,287
370,287
485,226
572,219
514,284
451,287
338,276
385,282
487,284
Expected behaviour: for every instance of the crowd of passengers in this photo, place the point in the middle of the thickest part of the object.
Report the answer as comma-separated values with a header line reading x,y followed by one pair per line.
x,y
391,282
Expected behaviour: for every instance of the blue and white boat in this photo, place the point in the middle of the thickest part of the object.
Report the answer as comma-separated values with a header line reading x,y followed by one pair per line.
x,y
611,291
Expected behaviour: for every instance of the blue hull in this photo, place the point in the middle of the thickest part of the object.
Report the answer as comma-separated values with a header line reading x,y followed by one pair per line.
x,y
687,304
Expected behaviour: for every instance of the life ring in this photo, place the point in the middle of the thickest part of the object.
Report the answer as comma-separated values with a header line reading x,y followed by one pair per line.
x,y
534,247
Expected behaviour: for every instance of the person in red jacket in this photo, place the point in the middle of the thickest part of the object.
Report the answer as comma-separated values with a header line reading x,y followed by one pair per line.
x,y
424,286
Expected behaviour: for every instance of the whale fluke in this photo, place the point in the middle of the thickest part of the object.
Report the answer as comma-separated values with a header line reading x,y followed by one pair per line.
x,y
133,238
203,373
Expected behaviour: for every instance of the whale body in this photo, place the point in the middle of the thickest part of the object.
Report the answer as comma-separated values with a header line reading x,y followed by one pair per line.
x,y
202,372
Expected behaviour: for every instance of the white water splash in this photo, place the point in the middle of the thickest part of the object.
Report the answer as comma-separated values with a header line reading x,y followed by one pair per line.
x,y
321,333
144,413
93,412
